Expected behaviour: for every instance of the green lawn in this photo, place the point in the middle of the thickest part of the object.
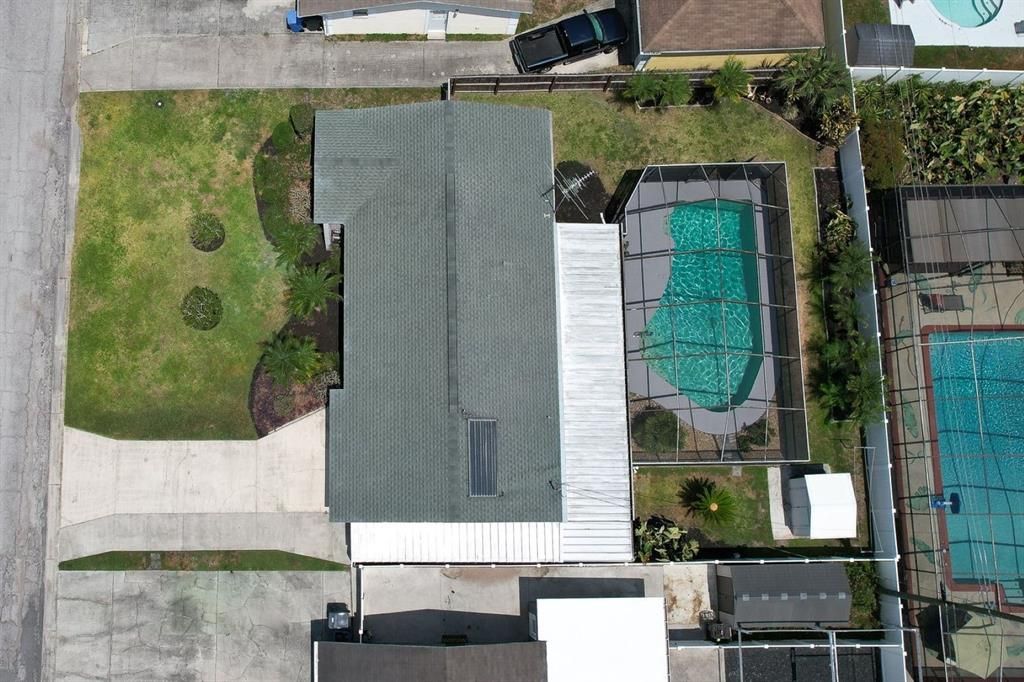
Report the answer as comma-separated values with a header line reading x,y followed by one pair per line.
x,y
657,493
245,560
134,369
960,57
865,12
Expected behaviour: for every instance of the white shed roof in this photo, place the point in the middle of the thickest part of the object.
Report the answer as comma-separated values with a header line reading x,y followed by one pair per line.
x,y
604,639
823,506
595,487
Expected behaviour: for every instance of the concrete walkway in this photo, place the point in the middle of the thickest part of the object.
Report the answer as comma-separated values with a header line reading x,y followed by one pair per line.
x,y
157,625
166,495
275,61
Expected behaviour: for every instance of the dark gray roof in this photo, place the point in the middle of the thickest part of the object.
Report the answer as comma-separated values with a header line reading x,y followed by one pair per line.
x,y
780,595
515,662
309,8
882,45
449,309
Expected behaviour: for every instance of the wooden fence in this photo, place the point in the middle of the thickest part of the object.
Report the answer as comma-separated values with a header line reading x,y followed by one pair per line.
x,y
594,82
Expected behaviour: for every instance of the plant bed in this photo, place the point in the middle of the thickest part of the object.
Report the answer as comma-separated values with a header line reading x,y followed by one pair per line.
x,y
588,197
829,189
201,560
323,325
273,405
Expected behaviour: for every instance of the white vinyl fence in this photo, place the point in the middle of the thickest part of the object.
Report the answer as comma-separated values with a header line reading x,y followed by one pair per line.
x,y
942,75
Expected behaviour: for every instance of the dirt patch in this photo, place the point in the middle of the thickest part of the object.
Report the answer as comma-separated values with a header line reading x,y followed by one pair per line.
x,y
830,192
580,195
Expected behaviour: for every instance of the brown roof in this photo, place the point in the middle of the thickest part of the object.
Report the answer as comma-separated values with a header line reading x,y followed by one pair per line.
x,y
724,25
309,8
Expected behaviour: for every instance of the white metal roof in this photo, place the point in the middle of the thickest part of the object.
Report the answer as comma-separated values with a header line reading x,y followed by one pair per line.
x,y
604,639
595,485
595,440
823,506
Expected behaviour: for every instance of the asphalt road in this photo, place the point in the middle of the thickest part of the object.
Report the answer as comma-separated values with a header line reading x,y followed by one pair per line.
x,y
37,88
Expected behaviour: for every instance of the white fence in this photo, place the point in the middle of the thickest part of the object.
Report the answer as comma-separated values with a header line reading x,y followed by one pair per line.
x,y
942,75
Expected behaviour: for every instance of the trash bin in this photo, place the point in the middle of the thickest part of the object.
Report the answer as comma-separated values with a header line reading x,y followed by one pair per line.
x,y
293,22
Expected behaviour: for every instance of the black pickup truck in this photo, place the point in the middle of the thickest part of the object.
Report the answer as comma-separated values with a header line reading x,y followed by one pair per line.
x,y
569,40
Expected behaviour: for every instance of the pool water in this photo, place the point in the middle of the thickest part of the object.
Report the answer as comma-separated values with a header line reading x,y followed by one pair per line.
x,y
978,394
968,13
705,337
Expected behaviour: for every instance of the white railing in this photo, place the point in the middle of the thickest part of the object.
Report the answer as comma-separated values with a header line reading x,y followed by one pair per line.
x,y
940,75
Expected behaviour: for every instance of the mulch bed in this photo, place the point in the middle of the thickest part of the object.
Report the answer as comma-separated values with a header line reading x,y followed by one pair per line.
x,y
588,197
829,187
324,326
266,398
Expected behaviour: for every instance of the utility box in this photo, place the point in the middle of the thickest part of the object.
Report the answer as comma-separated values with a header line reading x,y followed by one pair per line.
x,y
293,22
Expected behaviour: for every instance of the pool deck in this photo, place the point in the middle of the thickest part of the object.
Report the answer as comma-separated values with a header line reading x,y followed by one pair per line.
x,y
931,28
991,298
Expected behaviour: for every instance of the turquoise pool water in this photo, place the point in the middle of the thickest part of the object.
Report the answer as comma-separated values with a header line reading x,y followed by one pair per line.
x,y
978,394
968,13
702,336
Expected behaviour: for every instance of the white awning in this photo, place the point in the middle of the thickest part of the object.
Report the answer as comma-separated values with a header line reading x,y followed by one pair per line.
x,y
823,506
598,640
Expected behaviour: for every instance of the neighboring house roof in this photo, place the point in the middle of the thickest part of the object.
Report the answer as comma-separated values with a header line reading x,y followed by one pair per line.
x,y
823,506
712,26
349,662
309,8
780,595
449,310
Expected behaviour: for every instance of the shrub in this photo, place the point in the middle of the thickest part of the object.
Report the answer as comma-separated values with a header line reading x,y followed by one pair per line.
x,y
839,231
302,117
863,578
300,203
656,430
755,435
675,90
206,231
837,121
642,88
201,309
289,358
310,287
658,539
851,268
324,382
814,81
714,504
283,404
293,242
282,136
729,83
885,157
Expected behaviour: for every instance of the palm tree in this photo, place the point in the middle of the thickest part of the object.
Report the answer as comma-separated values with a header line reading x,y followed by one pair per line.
x,y
851,268
832,396
289,358
704,498
294,242
310,287
865,394
643,87
729,83
813,79
675,90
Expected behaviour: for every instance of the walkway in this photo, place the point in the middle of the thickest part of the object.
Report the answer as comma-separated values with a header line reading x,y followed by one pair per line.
x,y
258,494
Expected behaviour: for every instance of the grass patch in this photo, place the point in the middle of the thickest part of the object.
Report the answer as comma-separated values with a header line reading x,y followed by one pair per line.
x,y
863,577
134,369
657,491
865,12
242,560
960,57
476,37
376,37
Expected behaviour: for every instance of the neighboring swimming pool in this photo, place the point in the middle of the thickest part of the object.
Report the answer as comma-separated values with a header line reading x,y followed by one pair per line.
x,y
705,337
978,399
968,13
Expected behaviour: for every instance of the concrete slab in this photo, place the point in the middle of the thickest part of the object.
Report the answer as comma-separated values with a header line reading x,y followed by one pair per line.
x,y
776,506
283,472
692,663
311,534
687,592
197,626
177,63
418,605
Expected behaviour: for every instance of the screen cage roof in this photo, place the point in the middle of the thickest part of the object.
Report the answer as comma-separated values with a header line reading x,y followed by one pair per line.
x,y
711,322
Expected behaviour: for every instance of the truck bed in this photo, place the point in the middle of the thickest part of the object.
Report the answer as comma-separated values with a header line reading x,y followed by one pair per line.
x,y
540,47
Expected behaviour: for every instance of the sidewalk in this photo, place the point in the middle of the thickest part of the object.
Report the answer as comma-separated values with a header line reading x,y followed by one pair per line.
x,y
283,60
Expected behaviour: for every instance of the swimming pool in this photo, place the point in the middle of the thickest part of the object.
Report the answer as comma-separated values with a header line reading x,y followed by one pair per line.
x,y
968,13
978,400
705,337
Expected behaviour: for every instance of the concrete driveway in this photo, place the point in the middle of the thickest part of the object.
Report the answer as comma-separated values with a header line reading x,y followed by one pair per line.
x,y
258,494
157,625
201,44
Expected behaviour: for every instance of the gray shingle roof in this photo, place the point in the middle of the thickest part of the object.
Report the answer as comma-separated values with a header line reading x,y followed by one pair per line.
x,y
777,595
449,309
512,662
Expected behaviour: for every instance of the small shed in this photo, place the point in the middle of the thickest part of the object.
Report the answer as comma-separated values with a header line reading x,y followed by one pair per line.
x,y
881,45
823,506
598,640
783,595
